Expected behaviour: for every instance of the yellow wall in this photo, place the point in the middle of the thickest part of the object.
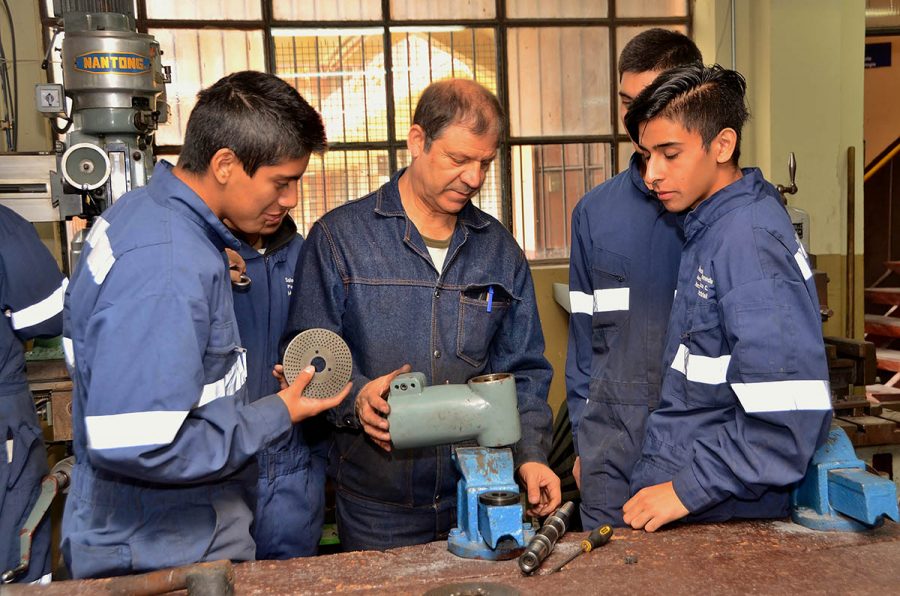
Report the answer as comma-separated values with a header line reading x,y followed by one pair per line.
x,y
34,132
555,322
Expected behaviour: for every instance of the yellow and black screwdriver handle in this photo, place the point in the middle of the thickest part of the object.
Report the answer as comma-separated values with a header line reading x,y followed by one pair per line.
x,y
597,538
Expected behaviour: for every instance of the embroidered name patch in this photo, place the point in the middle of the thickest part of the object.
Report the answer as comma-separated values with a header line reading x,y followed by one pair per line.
x,y
704,283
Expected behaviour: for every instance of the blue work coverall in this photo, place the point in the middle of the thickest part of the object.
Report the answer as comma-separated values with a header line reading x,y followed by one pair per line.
x,y
164,435
291,488
745,395
365,273
622,270
31,301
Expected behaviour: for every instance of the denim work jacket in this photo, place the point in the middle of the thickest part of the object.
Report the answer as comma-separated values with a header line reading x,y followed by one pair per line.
x,y
365,273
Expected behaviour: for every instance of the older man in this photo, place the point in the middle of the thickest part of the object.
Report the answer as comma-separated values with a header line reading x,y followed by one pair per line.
x,y
414,273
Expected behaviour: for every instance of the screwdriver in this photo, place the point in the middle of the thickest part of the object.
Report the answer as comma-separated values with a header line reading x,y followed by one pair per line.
x,y
595,539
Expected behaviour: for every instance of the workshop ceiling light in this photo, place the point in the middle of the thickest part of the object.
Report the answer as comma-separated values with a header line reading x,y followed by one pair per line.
x,y
324,32
882,8
327,32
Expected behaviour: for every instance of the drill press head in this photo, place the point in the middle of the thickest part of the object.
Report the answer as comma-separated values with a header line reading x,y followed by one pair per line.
x,y
489,508
484,409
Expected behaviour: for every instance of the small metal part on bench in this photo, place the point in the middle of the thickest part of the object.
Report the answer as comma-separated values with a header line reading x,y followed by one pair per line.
x,y
540,547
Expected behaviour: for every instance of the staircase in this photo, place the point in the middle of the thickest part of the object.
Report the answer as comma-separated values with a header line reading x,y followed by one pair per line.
x,y
884,330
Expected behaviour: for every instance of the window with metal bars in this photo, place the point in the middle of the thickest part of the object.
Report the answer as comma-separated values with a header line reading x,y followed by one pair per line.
x,y
364,63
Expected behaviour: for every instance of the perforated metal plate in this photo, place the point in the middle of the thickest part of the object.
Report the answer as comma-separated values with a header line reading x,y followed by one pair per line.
x,y
327,352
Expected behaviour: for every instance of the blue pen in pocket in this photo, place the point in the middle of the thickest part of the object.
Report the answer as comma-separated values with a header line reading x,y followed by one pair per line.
x,y
490,298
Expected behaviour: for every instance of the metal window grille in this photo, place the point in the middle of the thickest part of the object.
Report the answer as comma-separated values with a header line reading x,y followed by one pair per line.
x,y
364,63
548,181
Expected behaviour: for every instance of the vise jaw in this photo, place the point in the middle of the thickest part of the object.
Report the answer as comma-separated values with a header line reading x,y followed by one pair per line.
x,y
488,508
838,494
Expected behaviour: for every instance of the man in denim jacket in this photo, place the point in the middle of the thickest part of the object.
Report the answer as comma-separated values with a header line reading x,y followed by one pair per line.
x,y
414,273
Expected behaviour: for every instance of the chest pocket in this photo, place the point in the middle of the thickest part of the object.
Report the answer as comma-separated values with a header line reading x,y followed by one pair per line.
x,y
704,357
477,325
611,299
224,364
764,339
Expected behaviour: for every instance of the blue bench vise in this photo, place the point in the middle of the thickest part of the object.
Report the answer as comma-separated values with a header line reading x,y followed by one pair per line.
x,y
489,509
837,494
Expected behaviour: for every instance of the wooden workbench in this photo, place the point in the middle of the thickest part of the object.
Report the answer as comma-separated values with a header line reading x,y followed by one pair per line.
x,y
734,558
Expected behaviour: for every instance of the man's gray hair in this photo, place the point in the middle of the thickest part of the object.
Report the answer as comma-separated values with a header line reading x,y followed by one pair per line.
x,y
458,101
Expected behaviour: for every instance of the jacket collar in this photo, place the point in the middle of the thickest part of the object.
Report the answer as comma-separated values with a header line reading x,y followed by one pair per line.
x,y
278,240
165,186
737,194
388,204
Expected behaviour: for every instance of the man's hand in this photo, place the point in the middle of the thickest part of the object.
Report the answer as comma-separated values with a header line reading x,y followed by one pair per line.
x,y
544,492
236,266
372,407
278,373
653,507
300,407
576,471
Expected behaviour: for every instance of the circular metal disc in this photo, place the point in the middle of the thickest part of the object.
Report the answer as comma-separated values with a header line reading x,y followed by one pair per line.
x,y
85,166
324,350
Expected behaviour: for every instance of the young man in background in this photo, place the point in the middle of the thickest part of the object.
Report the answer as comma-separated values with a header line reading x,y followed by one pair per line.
x,y
624,260
290,500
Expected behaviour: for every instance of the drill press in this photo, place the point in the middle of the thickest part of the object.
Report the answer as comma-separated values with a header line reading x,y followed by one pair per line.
x,y
489,508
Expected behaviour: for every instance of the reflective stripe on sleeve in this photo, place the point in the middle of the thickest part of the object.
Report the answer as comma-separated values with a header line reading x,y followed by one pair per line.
x,y
800,257
230,384
783,396
69,351
41,311
581,302
611,300
701,369
101,259
135,429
